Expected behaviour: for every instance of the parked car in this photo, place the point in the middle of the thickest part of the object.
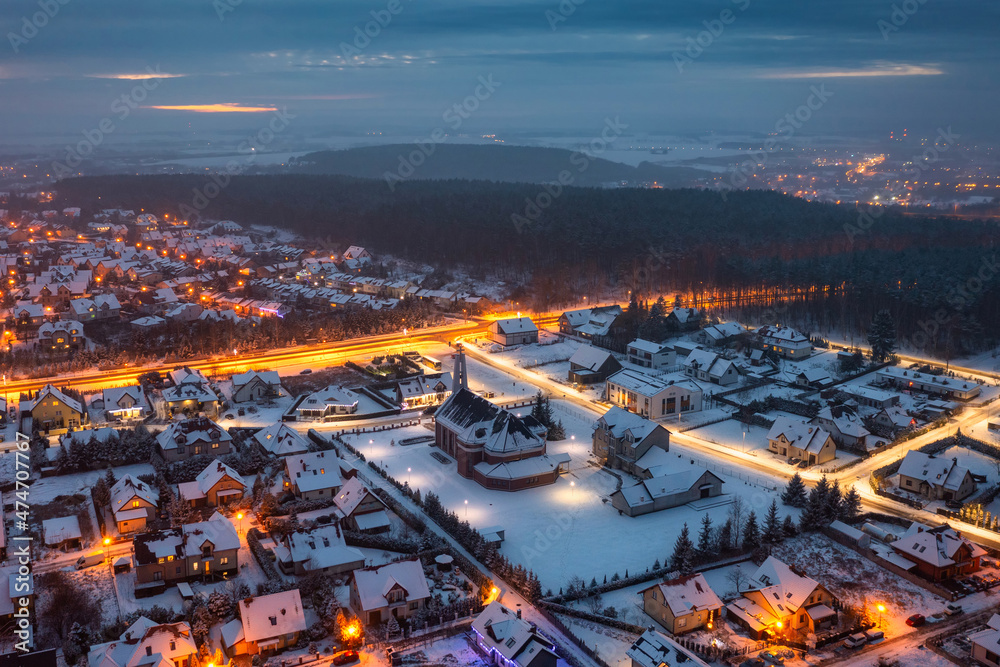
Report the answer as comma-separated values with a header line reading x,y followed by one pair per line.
x,y
953,609
953,504
804,464
306,371
916,620
874,635
345,657
772,657
856,640
91,559
794,461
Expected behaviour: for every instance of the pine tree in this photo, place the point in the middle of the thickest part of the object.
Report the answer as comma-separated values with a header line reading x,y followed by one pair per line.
x,y
882,336
850,507
724,541
795,492
834,499
772,525
751,534
109,477
706,546
788,527
816,507
538,409
682,559
102,495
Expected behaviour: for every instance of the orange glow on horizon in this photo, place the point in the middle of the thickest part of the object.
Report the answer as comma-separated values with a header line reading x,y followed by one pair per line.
x,y
225,107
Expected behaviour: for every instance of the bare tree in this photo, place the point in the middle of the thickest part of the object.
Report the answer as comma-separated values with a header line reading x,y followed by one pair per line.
x,y
596,603
737,578
736,511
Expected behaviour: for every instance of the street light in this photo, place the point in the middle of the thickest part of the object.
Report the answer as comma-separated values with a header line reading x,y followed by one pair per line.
x,y
239,517
881,609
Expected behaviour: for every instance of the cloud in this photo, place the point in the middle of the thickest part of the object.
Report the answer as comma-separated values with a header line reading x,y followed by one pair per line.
x,y
881,69
225,107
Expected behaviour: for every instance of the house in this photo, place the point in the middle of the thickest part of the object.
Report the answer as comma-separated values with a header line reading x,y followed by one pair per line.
x,y
53,411
396,590
937,385
314,475
215,486
590,364
655,649
683,319
147,644
780,602
940,553
493,446
682,605
621,438
815,378
666,491
328,403
784,341
652,397
62,336
510,641
870,396
420,391
256,385
590,323
893,420
710,367
190,393
361,509
133,502
797,439
62,533
844,425
320,550
717,335
280,440
648,354
514,331
124,403
935,478
204,550
267,624
986,643
100,308
147,323
191,437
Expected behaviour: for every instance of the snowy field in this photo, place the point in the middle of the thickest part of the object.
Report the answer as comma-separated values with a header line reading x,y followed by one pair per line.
x,y
561,529
610,643
46,489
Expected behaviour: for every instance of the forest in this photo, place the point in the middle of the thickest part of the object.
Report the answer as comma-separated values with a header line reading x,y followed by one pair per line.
x,y
752,248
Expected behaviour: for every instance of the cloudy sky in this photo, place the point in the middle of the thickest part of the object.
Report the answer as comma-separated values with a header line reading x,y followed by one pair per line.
x,y
561,67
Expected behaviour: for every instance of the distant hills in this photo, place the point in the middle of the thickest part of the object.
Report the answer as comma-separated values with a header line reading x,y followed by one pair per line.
x,y
510,164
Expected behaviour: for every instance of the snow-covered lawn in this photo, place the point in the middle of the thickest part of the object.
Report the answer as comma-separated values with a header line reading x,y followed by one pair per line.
x,y
46,489
567,528
610,643
452,651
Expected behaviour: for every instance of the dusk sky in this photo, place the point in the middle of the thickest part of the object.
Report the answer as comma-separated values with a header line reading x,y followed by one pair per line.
x,y
604,59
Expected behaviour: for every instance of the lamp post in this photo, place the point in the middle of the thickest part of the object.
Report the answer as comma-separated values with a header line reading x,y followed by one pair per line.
x,y
881,608
239,517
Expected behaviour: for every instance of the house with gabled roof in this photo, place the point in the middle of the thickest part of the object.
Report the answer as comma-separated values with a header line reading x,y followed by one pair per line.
x,y
133,502
279,439
844,425
652,355
62,336
940,553
267,624
190,393
716,335
781,602
321,549
590,364
655,649
795,438
510,641
710,367
255,386
395,590
514,331
683,319
935,478
123,403
360,509
621,438
665,491
652,397
215,486
681,605
784,341
986,643
313,475
147,644
191,437
53,411
203,550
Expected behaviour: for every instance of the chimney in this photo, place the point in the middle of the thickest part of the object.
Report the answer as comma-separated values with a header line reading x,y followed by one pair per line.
x,y
519,611
460,379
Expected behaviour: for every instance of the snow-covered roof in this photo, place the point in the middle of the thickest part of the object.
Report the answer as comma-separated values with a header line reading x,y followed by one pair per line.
x,y
664,485
191,431
280,440
146,644
321,548
50,391
989,639
113,396
313,471
784,590
688,594
517,640
515,325
782,334
529,467
938,546
268,616
620,421
215,472
655,649
647,346
129,487
351,495
476,420
268,377
800,434
374,583
61,529
936,472
590,357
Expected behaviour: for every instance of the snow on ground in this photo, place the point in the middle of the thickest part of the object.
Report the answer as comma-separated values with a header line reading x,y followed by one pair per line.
x,y
610,643
46,489
978,464
560,530
452,651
